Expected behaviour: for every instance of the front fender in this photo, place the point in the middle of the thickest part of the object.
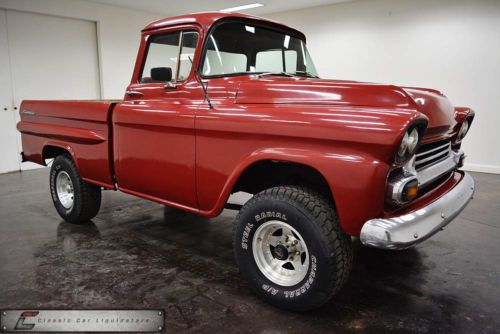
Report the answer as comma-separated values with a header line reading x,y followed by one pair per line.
x,y
356,179
350,146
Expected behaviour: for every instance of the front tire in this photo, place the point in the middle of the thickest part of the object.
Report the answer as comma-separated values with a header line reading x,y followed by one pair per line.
x,y
75,200
290,248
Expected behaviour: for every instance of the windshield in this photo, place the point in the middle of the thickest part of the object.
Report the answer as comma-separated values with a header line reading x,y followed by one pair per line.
x,y
239,48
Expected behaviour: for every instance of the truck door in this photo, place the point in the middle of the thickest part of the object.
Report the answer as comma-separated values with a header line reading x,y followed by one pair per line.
x,y
153,129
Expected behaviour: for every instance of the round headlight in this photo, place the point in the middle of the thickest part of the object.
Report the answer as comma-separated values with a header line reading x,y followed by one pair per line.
x,y
403,146
463,130
412,141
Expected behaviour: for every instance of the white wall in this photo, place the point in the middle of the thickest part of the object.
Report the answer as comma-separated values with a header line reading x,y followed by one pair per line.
x,y
451,45
118,31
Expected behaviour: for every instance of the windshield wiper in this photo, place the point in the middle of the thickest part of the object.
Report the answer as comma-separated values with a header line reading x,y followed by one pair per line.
x,y
284,74
307,74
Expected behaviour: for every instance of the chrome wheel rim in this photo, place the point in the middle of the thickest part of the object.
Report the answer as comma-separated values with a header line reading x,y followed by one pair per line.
x,y
280,253
64,189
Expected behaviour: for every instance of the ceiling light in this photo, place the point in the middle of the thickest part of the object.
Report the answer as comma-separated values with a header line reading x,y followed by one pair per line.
x,y
239,8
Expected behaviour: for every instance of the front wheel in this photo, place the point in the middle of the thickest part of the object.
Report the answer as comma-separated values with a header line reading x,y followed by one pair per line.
x,y
290,248
75,200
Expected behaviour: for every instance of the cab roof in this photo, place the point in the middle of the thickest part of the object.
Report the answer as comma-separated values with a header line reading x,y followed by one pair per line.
x,y
207,20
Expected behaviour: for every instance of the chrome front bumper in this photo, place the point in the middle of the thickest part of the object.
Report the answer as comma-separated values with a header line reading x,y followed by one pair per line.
x,y
407,230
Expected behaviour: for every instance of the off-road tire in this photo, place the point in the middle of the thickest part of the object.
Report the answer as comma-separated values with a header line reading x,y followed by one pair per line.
x,y
87,197
315,219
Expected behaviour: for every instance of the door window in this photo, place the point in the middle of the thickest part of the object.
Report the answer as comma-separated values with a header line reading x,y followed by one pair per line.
x,y
169,57
189,40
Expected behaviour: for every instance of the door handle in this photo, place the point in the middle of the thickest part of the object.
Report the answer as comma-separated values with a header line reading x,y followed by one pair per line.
x,y
170,85
134,93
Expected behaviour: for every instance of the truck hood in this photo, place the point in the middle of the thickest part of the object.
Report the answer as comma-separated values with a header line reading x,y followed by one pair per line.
x,y
437,107
297,90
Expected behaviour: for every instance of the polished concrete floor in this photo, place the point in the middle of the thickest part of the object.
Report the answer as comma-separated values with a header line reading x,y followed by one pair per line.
x,y
136,254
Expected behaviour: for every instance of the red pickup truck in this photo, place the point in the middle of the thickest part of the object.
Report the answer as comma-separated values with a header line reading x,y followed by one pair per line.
x,y
222,103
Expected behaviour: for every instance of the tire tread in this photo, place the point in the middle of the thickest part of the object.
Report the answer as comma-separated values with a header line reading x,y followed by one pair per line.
x,y
90,194
323,213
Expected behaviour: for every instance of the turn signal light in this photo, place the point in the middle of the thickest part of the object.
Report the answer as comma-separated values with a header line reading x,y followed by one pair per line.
x,y
410,191
401,190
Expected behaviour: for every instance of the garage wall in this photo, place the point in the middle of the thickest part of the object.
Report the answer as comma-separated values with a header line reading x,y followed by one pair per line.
x,y
42,57
451,45
118,31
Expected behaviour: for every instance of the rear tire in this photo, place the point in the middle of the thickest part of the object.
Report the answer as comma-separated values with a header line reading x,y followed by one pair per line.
x,y
75,200
290,248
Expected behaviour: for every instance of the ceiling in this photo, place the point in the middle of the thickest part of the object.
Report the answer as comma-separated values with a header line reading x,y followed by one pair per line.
x,y
178,7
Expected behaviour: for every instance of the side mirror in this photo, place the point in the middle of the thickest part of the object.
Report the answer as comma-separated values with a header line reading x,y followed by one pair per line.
x,y
161,74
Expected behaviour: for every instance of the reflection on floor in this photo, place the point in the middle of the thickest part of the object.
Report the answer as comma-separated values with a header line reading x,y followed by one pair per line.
x,y
138,254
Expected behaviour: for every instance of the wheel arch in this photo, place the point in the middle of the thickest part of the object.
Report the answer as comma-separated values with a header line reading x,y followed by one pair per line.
x,y
52,150
355,181
272,173
308,161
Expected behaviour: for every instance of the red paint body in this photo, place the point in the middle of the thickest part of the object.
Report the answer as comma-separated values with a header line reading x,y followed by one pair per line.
x,y
168,146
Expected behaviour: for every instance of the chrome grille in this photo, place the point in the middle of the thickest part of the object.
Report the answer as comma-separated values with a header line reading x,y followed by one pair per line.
x,y
432,153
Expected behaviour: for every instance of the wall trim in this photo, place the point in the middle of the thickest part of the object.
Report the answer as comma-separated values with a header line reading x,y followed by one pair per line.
x,y
482,168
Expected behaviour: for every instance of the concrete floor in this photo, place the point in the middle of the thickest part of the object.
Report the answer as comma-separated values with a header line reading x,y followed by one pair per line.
x,y
136,254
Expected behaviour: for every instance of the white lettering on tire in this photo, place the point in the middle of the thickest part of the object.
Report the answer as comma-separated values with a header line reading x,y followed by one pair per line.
x,y
246,233
307,284
258,217
270,214
269,289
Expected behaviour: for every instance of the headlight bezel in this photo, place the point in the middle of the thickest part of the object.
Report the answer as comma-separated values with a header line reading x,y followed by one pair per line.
x,y
409,143
464,129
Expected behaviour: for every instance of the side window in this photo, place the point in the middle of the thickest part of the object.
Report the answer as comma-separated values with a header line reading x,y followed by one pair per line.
x,y
189,40
162,59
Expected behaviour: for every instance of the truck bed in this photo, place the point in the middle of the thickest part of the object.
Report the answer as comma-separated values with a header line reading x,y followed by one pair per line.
x,y
80,127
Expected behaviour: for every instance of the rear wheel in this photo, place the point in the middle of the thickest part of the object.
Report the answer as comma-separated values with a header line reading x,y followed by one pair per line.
x,y
291,249
75,200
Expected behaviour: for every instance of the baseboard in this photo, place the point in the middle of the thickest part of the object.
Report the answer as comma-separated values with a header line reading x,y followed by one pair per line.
x,y
30,165
482,168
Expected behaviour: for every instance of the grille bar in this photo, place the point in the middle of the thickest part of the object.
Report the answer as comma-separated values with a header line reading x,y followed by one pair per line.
x,y
431,154
433,150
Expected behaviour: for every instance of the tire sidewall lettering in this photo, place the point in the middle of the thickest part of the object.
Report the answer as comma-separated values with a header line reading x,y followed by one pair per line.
x,y
308,282
259,219
273,290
